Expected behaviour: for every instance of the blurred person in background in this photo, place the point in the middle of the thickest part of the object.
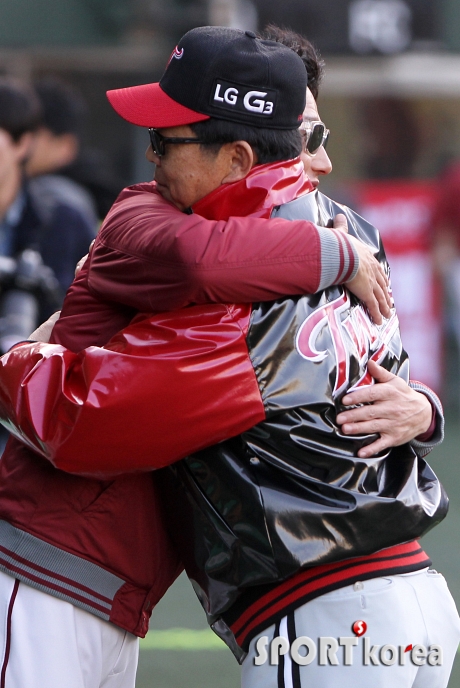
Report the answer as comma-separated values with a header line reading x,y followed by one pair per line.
x,y
93,170
59,148
37,215
66,209
57,145
22,226
28,286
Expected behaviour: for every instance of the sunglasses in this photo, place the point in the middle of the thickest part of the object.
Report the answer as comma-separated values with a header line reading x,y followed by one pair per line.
x,y
315,135
158,141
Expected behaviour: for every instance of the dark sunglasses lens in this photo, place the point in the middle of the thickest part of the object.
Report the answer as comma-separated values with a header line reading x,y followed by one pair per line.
x,y
315,140
157,142
326,140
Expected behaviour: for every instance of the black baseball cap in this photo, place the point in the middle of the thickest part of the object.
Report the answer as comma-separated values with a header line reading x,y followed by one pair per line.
x,y
220,72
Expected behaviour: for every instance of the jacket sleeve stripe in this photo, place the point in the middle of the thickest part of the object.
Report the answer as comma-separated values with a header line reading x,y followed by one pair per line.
x,y
339,260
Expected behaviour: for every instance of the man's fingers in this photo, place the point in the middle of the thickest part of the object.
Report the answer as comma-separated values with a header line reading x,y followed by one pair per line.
x,y
340,222
370,284
384,297
363,395
390,408
383,300
375,448
374,393
43,332
373,307
373,426
378,372
82,261
381,274
383,283
381,291
377,305
80,264
363,413
351,421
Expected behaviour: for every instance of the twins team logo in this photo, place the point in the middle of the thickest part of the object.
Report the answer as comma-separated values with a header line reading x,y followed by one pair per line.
x,y
176,53
354,334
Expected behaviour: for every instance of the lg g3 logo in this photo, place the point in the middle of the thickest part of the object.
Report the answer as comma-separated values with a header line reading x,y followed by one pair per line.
x,y
243,99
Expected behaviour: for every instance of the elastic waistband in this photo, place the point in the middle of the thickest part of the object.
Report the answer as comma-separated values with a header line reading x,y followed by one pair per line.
x,y
260,607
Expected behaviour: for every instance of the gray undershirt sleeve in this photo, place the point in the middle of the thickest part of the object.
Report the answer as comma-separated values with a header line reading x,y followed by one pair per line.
x,y
339,259
424,448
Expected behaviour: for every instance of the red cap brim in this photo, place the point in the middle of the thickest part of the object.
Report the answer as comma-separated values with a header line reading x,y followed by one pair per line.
x,y
149,106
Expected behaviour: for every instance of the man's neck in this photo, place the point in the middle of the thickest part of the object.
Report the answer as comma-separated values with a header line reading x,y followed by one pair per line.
x,y
9,189
265,187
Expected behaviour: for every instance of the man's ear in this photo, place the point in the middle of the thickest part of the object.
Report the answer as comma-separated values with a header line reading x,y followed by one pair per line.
x,y
241,159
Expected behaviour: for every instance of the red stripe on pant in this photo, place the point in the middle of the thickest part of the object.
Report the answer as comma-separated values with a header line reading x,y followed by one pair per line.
x,y
8,633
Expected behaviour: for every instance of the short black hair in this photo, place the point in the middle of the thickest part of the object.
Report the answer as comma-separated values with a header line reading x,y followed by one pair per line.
x,y
20,109
63,107
269,145
314,64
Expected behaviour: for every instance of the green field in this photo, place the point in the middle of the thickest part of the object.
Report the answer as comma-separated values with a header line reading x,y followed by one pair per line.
x,y
179,613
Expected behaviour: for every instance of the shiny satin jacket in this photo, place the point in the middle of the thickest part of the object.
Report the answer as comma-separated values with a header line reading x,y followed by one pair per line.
x,y
291,492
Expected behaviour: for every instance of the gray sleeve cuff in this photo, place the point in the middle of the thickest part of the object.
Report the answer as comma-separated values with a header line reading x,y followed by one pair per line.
x,y
424,448
339,259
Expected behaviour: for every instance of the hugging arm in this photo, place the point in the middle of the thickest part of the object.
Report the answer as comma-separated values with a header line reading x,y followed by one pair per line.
x,y
177,383
165,387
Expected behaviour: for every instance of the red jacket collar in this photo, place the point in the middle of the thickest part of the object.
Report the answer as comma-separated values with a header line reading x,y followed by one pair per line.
x,y
265,187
